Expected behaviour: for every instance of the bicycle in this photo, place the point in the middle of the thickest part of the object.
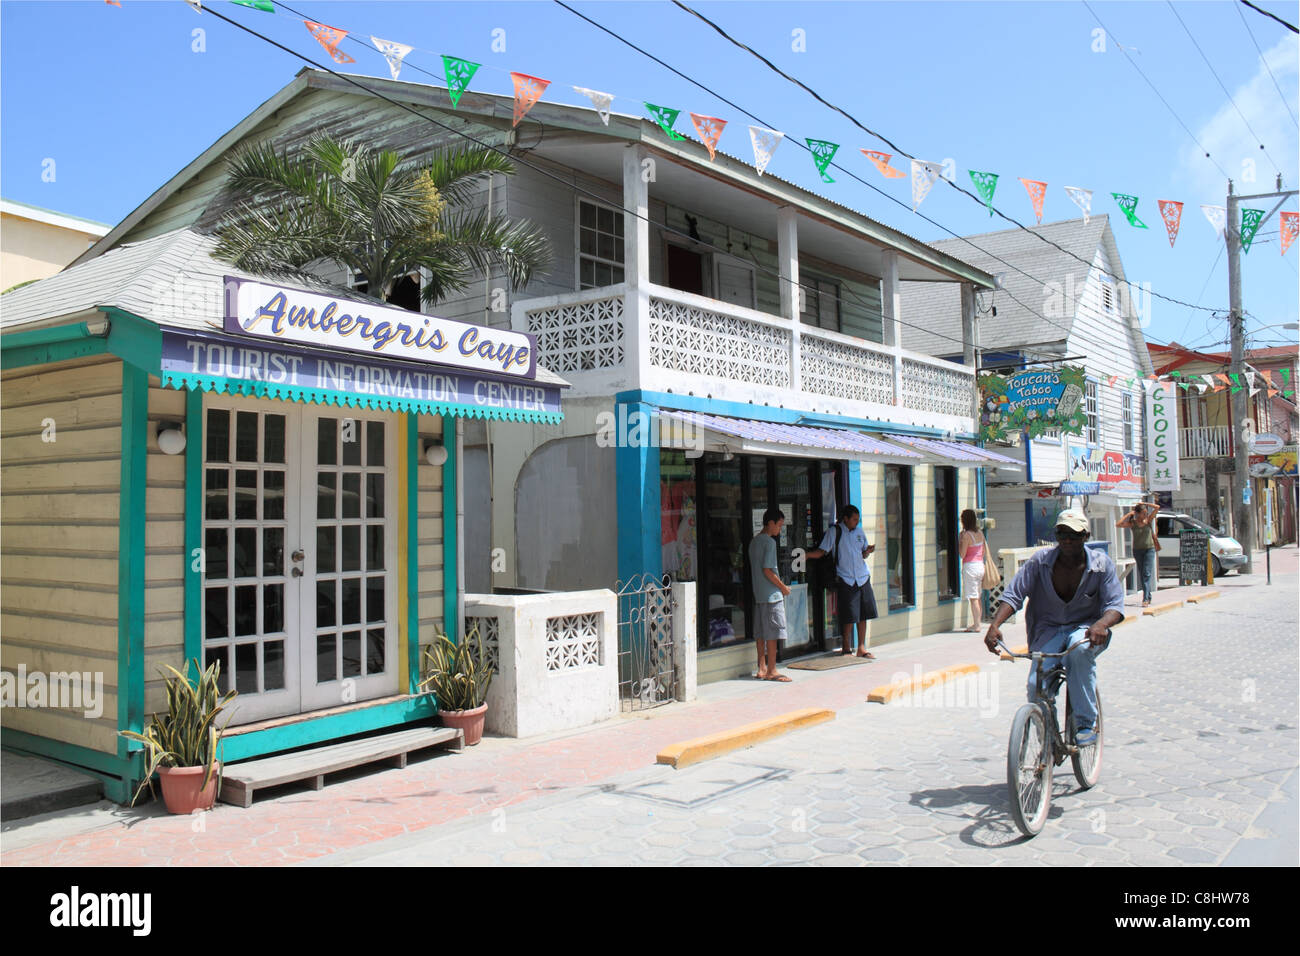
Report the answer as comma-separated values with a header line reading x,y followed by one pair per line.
x,y
1032,752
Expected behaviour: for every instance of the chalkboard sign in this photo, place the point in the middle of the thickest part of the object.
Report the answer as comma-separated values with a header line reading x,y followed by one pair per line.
x,y
1193,549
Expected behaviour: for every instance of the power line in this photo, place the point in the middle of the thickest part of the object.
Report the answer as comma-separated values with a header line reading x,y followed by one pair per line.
x,y
1215,74
1264,59
1271,16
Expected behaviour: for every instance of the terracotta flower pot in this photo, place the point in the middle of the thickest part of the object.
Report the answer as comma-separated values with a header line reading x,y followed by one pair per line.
x,y
183,791
470,721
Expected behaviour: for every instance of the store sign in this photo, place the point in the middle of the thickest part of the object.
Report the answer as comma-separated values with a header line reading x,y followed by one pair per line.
x,y
307,318
1034,402
306,370
1266,444
1162,435
1096,470
1279,464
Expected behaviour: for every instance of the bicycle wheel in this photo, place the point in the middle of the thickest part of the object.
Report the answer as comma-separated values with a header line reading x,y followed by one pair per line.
x,y
1086,760
1029,770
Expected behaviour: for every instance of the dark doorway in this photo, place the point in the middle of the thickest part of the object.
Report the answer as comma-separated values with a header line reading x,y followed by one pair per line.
x,y
685,270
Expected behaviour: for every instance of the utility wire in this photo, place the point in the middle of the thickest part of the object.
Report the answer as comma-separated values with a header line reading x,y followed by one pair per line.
x,y
1215,74
1264,59
1271,16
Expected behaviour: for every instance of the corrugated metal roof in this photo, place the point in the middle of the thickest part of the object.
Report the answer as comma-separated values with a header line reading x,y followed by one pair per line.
x,y
802,436
955,451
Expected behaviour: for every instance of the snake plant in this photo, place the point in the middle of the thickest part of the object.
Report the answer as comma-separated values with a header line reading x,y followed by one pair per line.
x,y
458,675
186,735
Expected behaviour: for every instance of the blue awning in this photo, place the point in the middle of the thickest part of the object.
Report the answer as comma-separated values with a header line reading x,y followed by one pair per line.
x,y
952,451
774,437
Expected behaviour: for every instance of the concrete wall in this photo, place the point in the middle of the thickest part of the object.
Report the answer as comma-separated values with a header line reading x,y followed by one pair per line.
x,y
36,250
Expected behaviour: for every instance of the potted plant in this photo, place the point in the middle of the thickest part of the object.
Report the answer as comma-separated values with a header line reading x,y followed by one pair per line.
x,y
459,677
182,742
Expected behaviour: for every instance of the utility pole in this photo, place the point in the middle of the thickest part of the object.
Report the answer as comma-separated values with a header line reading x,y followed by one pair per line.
x,y
1243,507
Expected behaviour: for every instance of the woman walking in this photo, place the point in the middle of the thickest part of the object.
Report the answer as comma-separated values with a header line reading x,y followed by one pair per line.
x,y
1141,521
970,547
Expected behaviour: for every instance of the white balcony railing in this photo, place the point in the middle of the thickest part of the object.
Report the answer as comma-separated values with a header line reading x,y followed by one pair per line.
x,y
1205,441
590,336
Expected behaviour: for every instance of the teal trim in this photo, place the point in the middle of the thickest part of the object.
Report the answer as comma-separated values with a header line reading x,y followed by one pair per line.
x,y
258,743
130,554
119,775
855,485
412,466
12,357
636,471
57,335
193,525
450,532
765,413
324,396
134,340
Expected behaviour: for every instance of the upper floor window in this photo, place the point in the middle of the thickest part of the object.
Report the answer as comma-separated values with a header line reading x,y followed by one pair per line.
x,y
600,245
1090,409
1107,298
821,302
1126,409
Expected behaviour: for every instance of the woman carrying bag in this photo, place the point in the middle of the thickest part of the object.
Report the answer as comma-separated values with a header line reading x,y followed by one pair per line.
x,y
971,548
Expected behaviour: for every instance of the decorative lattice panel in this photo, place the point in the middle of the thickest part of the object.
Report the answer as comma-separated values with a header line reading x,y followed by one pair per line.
x,y
488,634
846,371
685,338
933,388
572,641
579,337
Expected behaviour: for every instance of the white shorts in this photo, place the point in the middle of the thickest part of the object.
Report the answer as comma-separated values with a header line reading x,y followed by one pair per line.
x,y
972,579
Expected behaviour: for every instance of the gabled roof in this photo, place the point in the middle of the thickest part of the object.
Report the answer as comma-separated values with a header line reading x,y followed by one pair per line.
x,y
1166,358
11,207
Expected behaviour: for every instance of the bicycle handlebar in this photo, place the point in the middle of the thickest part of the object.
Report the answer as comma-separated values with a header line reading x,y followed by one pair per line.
x,y
1034,654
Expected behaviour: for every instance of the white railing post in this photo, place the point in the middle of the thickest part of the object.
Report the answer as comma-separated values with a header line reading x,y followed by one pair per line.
x,y
685,636
891,300
636,259
787,242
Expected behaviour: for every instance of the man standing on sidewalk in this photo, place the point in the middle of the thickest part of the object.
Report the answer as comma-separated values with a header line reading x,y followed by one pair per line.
x,y
769,595
855,602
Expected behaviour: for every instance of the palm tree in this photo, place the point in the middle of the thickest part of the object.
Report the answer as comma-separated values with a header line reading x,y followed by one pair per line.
x,y
382,220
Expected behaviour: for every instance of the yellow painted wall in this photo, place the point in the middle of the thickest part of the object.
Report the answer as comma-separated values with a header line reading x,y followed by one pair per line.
x,y
36,250
429,531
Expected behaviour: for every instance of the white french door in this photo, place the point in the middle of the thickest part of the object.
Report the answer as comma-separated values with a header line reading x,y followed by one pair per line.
x,y
300,601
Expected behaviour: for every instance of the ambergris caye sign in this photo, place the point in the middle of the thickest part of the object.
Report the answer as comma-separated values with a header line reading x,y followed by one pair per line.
x,y
380,331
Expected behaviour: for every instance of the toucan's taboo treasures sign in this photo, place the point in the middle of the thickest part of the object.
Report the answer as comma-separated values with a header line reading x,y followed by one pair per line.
x,y
1034,402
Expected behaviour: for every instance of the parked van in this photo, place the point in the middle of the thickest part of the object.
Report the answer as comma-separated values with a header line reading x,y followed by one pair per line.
x,y
1225,552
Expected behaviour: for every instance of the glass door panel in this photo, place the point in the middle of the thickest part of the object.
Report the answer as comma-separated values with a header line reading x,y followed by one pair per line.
x,y
794,498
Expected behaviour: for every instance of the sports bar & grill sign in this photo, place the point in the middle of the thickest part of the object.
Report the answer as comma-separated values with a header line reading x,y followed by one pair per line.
x,y
380,331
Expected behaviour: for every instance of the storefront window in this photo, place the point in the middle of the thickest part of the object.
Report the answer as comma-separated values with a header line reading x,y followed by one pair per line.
x,y
945,530
898,536
794,498
679,535
723,555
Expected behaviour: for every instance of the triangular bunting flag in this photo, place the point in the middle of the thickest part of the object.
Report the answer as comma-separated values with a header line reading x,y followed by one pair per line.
x,y
393,52
765,143
710,129
1081,198
459,73
264,5
528,90
1209,380
924,175
1128,204
1250,382
1251,219
196,4
881,162
599,101
1171,211
1112,380
986,183
1036,192
1218,217
822,152
329,38
665,117
1290,223
114,3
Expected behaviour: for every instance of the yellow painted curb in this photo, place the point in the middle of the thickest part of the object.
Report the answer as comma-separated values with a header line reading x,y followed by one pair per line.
x,y
887,692
715,745
1198,598
1022,649
1162,608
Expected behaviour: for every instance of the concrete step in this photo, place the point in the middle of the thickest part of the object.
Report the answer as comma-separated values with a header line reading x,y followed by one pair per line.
x,y
31,786
240,780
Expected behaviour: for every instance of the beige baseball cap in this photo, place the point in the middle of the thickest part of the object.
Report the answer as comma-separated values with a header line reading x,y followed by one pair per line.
x,y
1072,518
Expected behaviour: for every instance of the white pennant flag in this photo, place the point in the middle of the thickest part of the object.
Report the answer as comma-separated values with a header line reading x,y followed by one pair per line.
x,y
1083,199
196,4
1218,216
393,53
1250,383
765,143
1210,382
924,175
599,101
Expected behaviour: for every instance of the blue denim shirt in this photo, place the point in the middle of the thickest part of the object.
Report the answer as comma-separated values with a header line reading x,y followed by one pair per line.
x,y
850,566
1099,591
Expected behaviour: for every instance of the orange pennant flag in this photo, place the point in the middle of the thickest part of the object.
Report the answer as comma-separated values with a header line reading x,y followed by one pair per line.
x,y
528,90
710,129
1290,223
1171,211
881,162
1037,191
1227,382
329,38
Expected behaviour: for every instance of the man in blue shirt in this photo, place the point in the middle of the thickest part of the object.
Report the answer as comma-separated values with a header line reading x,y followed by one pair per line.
x,y
1075,598
855,602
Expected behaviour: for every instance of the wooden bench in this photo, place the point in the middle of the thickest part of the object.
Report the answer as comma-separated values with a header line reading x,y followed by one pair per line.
x,y
240,780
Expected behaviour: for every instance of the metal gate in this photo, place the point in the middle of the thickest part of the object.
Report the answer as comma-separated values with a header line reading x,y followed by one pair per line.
x,y
646,675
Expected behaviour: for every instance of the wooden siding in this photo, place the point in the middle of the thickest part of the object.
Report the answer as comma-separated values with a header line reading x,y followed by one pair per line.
x,y
165,559
429,537
59,536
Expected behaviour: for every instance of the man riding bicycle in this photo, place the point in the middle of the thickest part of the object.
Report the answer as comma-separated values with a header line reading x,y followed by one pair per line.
x,y
1076,599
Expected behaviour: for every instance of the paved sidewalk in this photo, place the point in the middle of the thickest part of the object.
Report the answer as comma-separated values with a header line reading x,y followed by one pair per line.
x,y
294,825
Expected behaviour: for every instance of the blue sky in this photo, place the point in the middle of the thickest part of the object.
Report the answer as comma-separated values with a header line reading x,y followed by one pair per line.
x,y
121,100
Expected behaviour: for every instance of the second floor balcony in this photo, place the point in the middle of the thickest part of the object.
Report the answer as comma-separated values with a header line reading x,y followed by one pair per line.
x,y
1205,441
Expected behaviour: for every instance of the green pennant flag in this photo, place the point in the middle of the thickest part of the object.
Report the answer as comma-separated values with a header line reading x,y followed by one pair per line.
x,y
1128,204
1251,219
459,73
266,5
1236,379
822,152
985,183
665,117
1286,375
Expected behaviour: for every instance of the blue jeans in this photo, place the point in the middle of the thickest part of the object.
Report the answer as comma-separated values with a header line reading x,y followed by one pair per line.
x,y
1146,569
1080,671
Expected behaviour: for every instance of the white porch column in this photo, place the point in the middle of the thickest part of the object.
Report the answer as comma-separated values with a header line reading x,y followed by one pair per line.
x,y
636,259
891,301
787,254
969,354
